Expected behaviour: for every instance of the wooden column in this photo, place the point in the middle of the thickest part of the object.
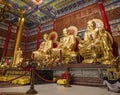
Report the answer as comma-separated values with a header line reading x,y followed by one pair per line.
x,y
7,40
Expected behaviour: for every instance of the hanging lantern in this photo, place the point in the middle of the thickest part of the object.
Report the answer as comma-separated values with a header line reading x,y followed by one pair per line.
x,y
37,2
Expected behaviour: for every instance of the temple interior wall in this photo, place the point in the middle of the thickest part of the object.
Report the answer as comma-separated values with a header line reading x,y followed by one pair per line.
x,y
77,18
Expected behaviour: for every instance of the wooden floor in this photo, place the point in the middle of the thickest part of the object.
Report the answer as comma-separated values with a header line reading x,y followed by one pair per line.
x,y
54,89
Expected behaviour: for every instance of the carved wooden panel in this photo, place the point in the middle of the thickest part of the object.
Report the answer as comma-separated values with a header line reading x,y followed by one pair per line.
x,y
113,14
34,37
1,52
78,18
3,32
117,39
9,53
13,36
23,39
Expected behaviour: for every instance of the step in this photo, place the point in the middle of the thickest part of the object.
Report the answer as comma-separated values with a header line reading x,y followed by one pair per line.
x,y
89,84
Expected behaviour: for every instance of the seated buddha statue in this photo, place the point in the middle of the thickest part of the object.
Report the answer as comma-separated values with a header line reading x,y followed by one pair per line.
x,y
97,44
90,42
66,45
44,49
67,42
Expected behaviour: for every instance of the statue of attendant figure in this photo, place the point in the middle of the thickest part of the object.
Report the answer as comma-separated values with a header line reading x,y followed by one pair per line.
x,y
19,57
91,42
44,49
107,41
97,44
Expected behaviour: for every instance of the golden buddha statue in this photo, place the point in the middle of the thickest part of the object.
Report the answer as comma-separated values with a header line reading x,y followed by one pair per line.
x,y
18,58
66,46
106,46
44,50
67,42
90,42
97,44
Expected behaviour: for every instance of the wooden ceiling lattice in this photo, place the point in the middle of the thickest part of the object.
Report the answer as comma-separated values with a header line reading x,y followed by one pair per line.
x,y
36,14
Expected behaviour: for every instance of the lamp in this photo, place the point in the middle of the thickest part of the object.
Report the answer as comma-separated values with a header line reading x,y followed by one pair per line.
x,y
37,2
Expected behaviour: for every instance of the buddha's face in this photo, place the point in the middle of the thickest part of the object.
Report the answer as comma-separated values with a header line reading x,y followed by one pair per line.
x,y
19,48
91,25
45,37
65,32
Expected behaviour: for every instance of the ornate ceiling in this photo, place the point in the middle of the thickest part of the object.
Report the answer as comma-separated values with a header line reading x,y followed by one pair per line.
x,y
36,11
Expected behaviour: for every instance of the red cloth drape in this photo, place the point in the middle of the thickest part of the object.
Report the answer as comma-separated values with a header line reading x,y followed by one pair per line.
x,y
7,40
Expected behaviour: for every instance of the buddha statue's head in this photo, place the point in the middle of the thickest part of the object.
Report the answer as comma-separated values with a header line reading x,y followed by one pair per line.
x,y
65,32
91,25
45,37
19,48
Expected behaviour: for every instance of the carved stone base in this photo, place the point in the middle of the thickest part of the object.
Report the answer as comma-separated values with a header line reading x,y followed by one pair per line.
x,y
85,74
88,81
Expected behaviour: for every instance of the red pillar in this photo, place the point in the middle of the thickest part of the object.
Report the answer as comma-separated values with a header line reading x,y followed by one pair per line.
x,y
38,37
54,25
25,48
7,40
104,17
